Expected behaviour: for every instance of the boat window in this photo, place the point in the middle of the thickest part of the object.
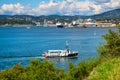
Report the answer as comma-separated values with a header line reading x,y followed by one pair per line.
x,y
56,52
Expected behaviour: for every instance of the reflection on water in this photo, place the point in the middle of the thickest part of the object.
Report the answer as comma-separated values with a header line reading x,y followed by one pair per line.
x,y
62,61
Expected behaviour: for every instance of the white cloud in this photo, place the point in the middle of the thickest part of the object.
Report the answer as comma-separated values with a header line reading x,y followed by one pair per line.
x,y
65,7
113,4
1,11
75,7
96,9
68,7
13,8
45,8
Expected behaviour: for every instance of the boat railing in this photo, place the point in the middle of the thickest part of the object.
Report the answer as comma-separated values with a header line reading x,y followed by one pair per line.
x,y
75,52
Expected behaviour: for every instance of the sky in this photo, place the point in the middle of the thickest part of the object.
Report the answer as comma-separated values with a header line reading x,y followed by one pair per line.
x,y
56,7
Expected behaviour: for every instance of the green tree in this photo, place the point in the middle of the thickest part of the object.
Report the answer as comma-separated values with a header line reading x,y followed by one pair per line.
x,y
36,70
81,70
112,46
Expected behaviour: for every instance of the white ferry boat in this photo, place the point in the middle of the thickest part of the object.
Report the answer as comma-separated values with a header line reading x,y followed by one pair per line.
x,y
60,53
59,25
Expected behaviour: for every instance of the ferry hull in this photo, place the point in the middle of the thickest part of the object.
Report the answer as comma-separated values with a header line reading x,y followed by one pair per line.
x,y
60,26
72,54
69,55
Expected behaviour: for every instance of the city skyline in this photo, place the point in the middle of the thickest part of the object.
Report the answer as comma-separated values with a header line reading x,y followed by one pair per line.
x,y
57,7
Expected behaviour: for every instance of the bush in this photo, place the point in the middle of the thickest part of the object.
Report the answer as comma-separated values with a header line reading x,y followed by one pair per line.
x,y
46,70
112,46
36,70
82,70
109,70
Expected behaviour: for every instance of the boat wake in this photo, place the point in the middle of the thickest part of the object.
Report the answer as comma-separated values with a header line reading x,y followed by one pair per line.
x,y
22,57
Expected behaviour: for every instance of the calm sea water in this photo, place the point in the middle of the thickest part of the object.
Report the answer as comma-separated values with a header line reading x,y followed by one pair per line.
x,y
19,44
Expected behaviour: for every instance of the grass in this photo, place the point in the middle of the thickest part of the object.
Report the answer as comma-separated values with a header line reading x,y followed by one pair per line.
x,y
109,70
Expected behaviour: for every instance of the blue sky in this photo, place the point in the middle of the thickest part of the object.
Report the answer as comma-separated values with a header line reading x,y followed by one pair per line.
x,y
60,7
26,2
23,2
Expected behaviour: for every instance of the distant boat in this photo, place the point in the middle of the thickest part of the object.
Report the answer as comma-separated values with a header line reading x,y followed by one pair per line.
x,y
60,53
28,27
59,25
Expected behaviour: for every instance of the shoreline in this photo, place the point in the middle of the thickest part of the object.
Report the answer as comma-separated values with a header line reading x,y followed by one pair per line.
x,y
51,26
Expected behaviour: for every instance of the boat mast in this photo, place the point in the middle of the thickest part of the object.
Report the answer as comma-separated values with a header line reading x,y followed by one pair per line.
x,y
67,45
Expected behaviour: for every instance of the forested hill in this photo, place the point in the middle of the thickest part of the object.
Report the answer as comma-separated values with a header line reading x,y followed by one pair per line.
x,y
109,14
29,19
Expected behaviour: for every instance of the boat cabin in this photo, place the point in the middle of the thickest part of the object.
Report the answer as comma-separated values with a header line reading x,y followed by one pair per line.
x,y
58,53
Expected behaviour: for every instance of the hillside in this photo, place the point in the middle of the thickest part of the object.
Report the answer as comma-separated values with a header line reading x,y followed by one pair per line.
x,y
109,14
112,15
109,70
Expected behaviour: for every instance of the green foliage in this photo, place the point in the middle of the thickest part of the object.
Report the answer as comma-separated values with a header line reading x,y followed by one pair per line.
x,y
36,70
119,28
11,74
112,46
82,70
109,70
16,22
45,70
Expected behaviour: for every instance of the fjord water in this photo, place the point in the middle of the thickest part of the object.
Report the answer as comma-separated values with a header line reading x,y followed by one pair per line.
x,y
19,44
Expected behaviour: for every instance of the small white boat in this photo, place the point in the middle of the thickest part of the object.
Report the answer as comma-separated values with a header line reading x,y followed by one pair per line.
x,y
60,53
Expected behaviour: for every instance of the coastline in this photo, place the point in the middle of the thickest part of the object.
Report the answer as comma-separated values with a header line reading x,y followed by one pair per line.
x,y
55,26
